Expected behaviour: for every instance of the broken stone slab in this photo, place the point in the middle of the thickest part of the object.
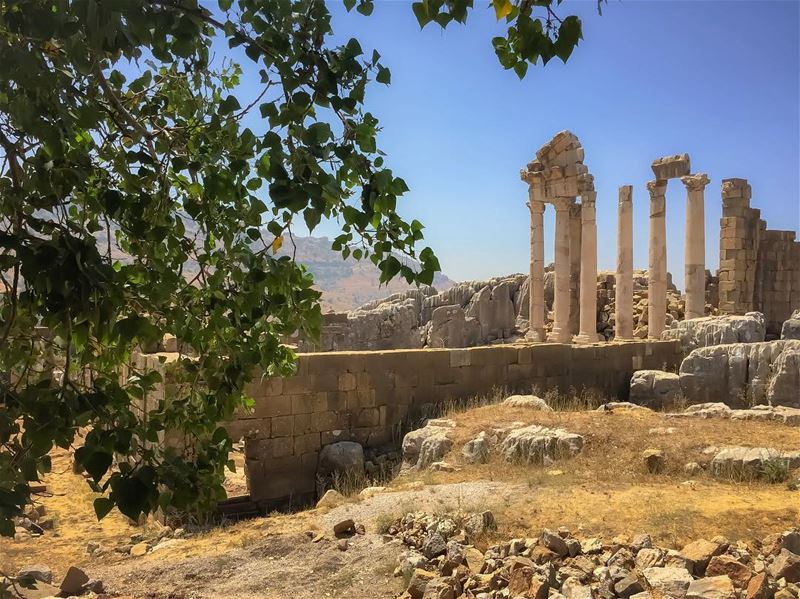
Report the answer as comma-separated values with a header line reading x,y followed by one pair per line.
x,y
670,582
140,549
732,461
672,167
714,587
782,414
654,389
538,444
620,405
527,401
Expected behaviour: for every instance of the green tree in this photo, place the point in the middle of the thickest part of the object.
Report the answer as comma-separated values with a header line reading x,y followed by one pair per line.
x,y
134,203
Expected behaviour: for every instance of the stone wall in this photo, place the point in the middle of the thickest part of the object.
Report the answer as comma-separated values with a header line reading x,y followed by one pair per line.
x,y
369,397
759,268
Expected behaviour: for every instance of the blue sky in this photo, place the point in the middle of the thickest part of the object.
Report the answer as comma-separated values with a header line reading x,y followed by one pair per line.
x,y
716,79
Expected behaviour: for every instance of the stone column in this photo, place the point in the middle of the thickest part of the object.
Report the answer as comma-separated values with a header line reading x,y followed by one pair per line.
x,y
623,300
695,246
588,287
657,267
536,307
575,258
561,332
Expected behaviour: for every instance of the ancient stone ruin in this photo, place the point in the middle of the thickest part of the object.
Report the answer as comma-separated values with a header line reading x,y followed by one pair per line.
x,y
570,301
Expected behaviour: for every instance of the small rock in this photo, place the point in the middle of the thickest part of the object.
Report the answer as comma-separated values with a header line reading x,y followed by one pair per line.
x,y
729,566
654,460
434,545
714,587
73,581
341,545
37,572
786,565
442,467
479,524
418,582
699,553
92,547
670,582
757,587
344,527
94,586
331,498
140,549
692,469
554,543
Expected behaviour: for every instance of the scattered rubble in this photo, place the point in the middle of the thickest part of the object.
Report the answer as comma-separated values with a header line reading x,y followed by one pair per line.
x,y
442,561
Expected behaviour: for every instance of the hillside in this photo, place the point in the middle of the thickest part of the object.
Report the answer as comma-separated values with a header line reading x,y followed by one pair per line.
x,y
346,284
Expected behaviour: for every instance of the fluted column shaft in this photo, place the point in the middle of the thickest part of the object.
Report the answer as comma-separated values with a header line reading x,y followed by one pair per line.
x,y
695,246
588,288
657,267
561,332
536,306
623,288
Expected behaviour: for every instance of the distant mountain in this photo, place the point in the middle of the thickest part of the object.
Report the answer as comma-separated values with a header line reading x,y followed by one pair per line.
x,y
346,284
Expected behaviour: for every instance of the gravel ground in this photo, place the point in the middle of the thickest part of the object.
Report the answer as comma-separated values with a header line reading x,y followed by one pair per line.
x,y
281,565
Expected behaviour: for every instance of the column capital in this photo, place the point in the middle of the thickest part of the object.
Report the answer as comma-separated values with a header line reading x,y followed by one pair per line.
x,y
563,204
625,194
536,206
695,182
657,188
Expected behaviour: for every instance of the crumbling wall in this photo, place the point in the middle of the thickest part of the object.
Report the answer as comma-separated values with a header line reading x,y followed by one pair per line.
x,y
759,268
368,396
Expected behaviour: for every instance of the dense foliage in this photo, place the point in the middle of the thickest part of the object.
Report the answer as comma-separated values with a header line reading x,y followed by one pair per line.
x,y
134,203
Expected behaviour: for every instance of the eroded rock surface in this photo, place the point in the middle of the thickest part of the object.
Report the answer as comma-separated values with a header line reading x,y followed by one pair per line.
x,y
743,374
654,389
718,330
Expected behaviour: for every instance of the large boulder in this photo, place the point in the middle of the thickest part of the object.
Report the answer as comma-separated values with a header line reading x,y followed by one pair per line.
x,y
429,444
718,330
654,388
538,444
341,457
527,401
743,374
791,327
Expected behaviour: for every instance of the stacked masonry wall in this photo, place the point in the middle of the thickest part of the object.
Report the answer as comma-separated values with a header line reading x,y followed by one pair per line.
x,y
759,268
368,397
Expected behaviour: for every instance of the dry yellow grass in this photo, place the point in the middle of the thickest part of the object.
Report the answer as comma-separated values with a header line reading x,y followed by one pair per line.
x,y
606,491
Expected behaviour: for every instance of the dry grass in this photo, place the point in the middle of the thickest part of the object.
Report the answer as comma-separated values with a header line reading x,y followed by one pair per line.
x,y
605,490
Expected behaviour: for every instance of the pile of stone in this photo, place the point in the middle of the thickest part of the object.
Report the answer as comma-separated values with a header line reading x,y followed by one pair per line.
x,y
443,562
34,522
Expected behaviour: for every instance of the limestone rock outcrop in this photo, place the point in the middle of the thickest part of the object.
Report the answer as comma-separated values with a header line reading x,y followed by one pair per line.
x,y
791,326
718,330
743,374
538,444
429,444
